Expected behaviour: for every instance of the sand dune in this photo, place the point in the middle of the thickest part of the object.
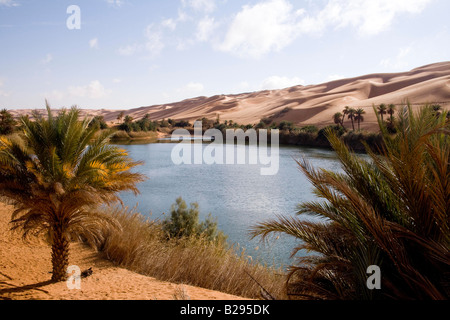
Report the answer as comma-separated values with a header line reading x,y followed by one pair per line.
x,y
313,104
25,266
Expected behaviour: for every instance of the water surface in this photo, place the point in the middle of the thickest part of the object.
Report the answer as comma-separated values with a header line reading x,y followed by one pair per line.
x,y
238,196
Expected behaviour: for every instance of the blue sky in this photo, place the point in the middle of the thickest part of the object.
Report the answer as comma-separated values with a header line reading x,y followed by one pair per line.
x,y
133,53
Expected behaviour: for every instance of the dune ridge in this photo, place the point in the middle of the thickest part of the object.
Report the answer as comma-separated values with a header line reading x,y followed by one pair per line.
x,y
306,105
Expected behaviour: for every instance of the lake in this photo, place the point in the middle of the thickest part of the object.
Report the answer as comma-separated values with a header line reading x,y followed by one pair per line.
x,y
238,196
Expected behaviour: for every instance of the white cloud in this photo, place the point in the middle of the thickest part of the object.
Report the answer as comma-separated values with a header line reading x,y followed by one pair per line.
x,y
9,3
48,58
191,88
333,77
206,6
259,29
116,80
55,95
271,25
169,23
115,3
205,28
94,90
93,43
184,44
182,16
154,42
129,50
277,82
399,61
244,85
368,17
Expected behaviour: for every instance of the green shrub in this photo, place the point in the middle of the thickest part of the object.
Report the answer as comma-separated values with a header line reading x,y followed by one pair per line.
x,y
98,122
184,222
260,125
286,125
182,124
339,130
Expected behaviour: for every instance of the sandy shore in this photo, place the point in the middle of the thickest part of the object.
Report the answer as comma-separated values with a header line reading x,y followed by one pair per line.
x,y
25,273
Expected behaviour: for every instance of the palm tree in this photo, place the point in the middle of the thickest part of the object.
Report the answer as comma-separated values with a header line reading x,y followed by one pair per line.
x,y
391,122
337,118
359,117
382,110
120,116
390,211
56,173
7,122
345,113
391,111
128,119
351,116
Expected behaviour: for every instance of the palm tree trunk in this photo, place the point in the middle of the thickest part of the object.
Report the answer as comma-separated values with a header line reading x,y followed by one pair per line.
x,y
60,254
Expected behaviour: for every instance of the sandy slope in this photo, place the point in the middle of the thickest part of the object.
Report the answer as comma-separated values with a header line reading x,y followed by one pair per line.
x,y
313,104
25,266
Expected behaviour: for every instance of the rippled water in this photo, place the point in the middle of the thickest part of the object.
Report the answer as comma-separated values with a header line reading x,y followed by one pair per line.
x,y
238,196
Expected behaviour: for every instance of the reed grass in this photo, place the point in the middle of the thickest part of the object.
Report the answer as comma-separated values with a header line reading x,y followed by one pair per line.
x,y
143,247
121,135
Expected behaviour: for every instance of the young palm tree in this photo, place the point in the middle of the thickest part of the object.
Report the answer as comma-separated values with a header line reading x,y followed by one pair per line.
x,y
56,173
391,211
359,117
382,110
337,118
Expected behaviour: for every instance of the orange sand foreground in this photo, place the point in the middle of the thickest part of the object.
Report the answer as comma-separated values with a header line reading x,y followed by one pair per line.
x,y
25,267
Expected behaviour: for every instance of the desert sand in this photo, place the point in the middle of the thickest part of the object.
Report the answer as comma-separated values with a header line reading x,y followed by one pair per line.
x,y
25,274
307,105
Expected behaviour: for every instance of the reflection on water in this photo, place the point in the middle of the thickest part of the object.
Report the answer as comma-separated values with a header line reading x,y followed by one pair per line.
x,y
237,195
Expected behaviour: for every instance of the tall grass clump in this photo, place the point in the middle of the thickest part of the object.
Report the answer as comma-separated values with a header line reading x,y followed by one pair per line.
x,y
142,245
391,211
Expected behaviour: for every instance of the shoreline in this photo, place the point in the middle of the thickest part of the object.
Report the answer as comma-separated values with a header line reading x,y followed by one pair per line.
x,y
354,139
